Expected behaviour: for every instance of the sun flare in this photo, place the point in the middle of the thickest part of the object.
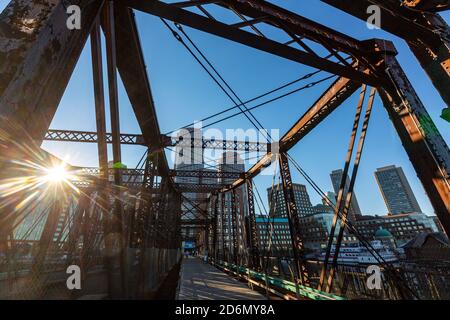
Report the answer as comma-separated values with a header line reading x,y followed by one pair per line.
x,y
56,174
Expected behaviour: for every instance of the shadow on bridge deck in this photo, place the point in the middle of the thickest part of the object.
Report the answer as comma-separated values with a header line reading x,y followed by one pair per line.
x,y
201,281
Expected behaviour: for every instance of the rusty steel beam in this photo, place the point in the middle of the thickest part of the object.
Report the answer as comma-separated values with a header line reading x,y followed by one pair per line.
x,y
427,5
118,217
334,96
102,147
300,26
133,73
99,94
192,3
426,149
394,19
171,12
38,55
111,58
427,35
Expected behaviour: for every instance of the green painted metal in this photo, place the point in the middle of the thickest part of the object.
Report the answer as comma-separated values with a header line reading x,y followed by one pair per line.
x,y
304,291
446,114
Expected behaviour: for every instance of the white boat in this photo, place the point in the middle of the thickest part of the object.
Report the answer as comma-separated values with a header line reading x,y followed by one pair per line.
x,y
357,254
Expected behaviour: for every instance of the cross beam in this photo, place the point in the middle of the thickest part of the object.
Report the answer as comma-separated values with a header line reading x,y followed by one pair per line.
x,y
335,95
138,139
278,17
427,34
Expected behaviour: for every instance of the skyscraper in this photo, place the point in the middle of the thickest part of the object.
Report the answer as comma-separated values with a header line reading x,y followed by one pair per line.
x,y
189,158
301,197
396,191
329,199
231,162
336,177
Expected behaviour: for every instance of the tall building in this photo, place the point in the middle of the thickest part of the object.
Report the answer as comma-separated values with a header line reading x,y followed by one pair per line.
x,y
278,206
189,158
336,177
232,162
396,191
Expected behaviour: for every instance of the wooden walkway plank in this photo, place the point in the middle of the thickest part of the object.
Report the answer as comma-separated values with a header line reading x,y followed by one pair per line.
x,y
201,281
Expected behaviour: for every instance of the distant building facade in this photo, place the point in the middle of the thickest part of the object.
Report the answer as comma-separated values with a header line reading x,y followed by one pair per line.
x,y
319,208
232,162
314,229
336,177
403,227
278,206
396,191
273,234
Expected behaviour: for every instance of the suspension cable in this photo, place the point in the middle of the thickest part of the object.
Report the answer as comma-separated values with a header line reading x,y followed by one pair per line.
x,y
241,103
352,229
180,39
222,79
309,85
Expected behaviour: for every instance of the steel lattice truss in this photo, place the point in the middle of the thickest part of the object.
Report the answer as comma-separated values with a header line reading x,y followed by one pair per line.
x,y
138,139
86,136
139,211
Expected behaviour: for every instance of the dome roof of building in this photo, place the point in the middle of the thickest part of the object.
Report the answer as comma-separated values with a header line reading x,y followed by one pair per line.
x,y
383,233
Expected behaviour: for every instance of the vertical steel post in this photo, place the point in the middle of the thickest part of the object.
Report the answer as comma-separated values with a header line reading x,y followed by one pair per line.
x,y
112,85
99,96
350,188
234,226
293,219
215,225
254,251
118,217
341,194
222,225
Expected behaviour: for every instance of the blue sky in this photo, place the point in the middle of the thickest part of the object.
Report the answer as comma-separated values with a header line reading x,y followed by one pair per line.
x,y
183,93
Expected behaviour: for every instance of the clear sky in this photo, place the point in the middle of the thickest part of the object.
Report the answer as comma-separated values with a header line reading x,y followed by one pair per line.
x,y
184,93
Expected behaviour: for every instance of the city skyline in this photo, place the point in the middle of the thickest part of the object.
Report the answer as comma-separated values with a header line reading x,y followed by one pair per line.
x,y
405,184
198,97
225,150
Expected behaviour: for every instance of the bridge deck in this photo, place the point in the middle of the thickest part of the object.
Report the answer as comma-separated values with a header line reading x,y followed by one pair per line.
x,y
201,281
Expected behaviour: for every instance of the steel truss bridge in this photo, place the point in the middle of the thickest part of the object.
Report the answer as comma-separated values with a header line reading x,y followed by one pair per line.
x,y
123,226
